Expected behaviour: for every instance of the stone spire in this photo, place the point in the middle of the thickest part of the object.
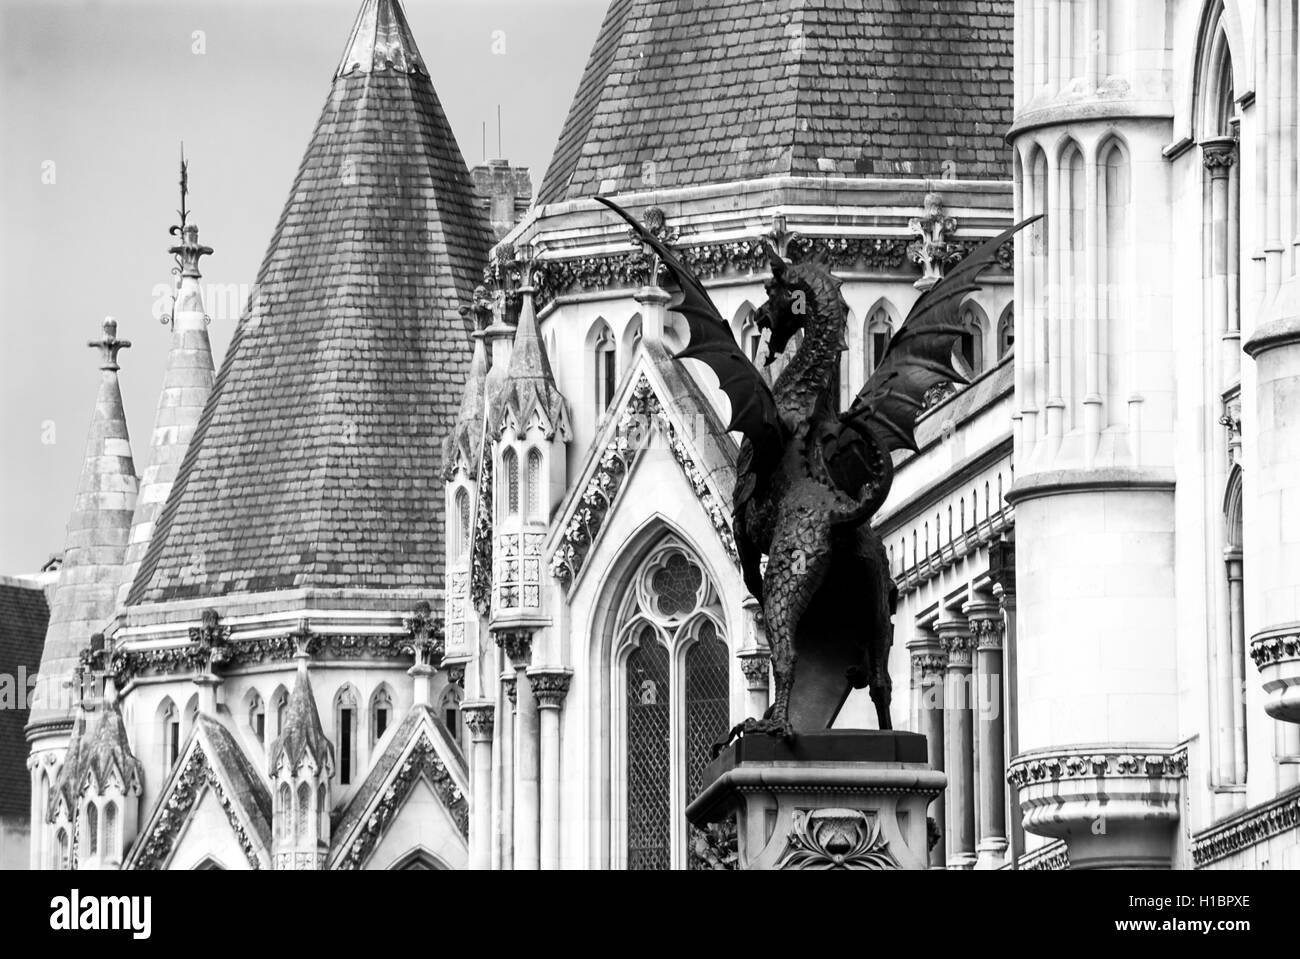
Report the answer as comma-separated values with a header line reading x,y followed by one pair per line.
x,y
381,40
302,736
464,442
95,547
529,386
187,381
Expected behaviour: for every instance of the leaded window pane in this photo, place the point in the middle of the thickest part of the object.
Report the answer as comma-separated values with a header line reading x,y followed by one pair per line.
x,y
677,585
706,708
648,757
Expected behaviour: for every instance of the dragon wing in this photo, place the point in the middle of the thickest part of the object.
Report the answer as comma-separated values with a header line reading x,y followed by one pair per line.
x,y
920,355
753,409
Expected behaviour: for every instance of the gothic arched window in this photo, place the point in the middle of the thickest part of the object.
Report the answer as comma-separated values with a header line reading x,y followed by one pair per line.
x,y
533,486
461,531
283,811
1006,331
171,733
345,725
257,716
61,860
879,331
110,831
90,845
305,809
970,345
674,669
605,355
381,714
510,480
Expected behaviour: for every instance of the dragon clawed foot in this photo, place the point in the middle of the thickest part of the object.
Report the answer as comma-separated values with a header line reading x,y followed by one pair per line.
x,y
752,727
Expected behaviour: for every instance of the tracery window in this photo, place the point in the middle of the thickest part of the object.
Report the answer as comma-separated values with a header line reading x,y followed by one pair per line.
x,y
605,354
345,719
461,531
533,486
381,714
880,330
673,689
110,831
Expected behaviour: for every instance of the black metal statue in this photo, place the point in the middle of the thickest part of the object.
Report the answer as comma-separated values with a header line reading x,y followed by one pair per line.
x,y
809,477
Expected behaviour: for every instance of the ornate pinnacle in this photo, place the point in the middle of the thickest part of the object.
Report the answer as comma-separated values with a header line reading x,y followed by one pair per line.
x,y
425,631
109,345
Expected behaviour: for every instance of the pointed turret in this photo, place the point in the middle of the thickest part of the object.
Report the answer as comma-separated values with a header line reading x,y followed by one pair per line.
x,y
529,390
187,383
301,763
460,451
310,467
96,542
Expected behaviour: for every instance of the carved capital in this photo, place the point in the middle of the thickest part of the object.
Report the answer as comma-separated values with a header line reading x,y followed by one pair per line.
x,y
755,664
480,717
1219,155
958,643
987,631
517,645
511,685
550,685
931,664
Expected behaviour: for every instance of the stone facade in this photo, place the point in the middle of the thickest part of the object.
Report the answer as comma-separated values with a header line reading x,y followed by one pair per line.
x,y
1094,545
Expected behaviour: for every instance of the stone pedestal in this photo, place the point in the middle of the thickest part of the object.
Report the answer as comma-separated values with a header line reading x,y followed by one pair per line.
x,y
833,799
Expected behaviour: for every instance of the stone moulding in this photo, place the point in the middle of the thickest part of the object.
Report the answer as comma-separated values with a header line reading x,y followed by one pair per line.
x,y
1052,857
632,434
1092,764
422,760
1248,828
196,775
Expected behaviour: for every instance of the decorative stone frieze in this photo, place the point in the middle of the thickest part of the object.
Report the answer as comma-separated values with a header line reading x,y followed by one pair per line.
x,y
1248,828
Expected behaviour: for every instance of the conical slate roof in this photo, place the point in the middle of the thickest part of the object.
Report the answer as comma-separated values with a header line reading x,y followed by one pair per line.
x,y
95,548
465,440
316,460
683,94
187,383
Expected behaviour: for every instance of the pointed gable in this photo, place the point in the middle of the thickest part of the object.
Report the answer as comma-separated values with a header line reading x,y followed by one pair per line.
x,y
213,799
529,388
316,459
421,771
679,94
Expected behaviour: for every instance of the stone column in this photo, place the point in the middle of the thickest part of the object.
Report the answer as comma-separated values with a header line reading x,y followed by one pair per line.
x,y
509,725
929,663
990,711
959,738
550,685
518,645
1219,155
1005,591
756,665
1237,646
479,718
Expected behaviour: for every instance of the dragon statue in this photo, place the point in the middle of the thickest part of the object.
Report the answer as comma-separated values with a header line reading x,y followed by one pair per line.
x,y
810,477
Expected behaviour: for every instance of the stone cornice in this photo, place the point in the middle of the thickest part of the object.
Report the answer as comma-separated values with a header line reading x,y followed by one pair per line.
x,y
1098,762
1060,482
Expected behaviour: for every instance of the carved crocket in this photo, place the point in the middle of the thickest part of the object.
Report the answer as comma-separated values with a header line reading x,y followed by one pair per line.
x,y
809,477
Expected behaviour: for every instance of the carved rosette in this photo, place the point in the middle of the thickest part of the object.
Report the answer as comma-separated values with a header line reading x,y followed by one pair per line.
x,y
517,644
756,665
836,839
1276,654
550,686
480,717
1113,805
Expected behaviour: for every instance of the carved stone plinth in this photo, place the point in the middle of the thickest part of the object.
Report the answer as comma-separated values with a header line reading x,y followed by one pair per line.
x,y
836,799
1115,807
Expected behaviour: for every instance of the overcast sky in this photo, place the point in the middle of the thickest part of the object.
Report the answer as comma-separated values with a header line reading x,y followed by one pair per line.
x,y
95,96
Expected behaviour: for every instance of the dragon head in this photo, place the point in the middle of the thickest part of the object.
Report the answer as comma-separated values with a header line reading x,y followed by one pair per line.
x,y
790,302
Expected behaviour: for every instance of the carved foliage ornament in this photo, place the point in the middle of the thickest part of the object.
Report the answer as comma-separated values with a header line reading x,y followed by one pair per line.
x,y
1274,649
1079,766
836,839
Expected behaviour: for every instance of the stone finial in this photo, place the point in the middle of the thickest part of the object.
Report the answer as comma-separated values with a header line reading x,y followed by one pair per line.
x,y
932,249
109,345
